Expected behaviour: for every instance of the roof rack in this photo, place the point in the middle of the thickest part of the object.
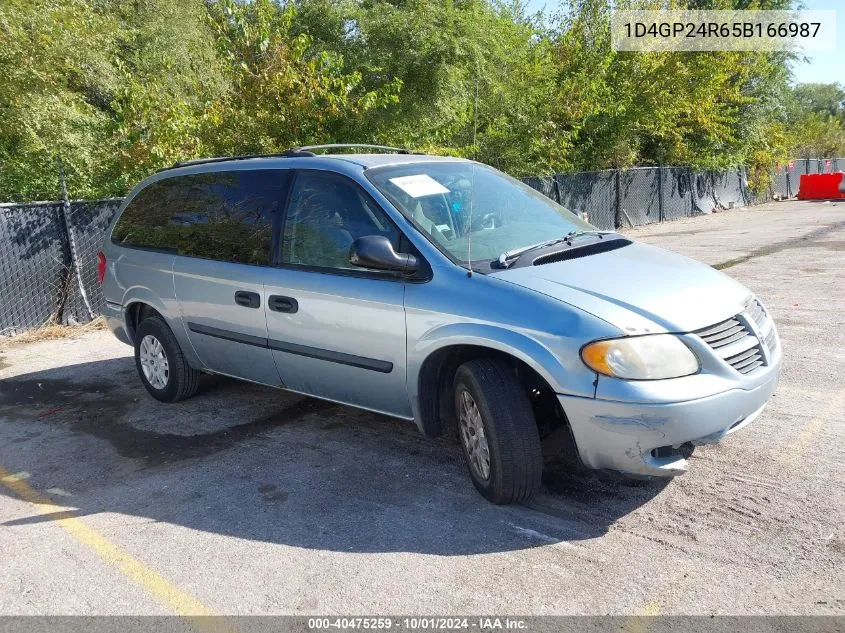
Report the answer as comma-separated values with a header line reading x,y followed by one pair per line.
x,y
291,153
384,148
295,152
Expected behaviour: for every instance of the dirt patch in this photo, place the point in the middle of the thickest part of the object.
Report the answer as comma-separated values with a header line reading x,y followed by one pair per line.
x,y
53,331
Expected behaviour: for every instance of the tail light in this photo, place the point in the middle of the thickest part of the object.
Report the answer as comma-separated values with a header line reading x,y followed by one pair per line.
x,y
101,267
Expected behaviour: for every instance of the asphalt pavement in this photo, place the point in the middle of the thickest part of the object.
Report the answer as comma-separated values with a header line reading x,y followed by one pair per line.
x,y
247,500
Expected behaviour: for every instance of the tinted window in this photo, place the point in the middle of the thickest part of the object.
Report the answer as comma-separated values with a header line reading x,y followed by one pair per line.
x,y
326,213
227,216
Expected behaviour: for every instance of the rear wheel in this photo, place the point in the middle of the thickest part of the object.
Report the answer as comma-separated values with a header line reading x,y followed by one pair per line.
x,y
161,365
497,431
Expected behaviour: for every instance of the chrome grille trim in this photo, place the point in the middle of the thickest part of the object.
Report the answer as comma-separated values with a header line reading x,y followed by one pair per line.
x,y
748,361
758,313
725,334
770,339
727,337
715,330
735,340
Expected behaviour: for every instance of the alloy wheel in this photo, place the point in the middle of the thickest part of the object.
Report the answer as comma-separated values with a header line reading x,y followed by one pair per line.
x,y
473,437
154,362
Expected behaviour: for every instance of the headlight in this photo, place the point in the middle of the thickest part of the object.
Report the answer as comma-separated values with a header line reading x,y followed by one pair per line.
x,y
650,357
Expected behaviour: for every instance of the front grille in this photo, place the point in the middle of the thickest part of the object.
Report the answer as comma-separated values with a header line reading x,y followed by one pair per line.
x,y
735,341
764,322
747,361
770,339
723,333
758,313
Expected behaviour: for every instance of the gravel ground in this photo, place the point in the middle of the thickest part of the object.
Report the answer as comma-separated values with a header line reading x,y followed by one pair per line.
x,y
246,500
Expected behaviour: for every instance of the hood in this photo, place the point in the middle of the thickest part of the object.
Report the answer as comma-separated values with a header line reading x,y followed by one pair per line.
x,y
638,288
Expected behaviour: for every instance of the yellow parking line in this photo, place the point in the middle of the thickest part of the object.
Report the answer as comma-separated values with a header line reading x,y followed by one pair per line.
x,y
180,602
652,607
639,621
811,429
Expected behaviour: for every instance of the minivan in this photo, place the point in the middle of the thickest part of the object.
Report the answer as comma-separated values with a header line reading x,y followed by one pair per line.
x,y
440,291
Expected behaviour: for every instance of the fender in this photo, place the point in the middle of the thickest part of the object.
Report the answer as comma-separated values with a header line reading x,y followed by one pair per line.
x,y
169,310
550,366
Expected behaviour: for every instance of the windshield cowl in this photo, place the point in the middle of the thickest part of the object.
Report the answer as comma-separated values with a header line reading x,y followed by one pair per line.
x,y
573,239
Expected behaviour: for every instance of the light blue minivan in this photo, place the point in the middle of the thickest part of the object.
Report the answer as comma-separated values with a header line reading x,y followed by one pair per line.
x,y
441,291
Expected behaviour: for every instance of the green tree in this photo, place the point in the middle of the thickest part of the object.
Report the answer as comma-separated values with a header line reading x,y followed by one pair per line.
x,y
817,121
284,90
170,75
477,77
56,82
823,99
118,89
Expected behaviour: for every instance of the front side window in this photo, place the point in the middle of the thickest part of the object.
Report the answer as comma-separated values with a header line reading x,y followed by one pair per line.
x,y
225,215
326,213
472,210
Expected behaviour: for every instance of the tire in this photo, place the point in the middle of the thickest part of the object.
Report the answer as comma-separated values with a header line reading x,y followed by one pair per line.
x,y
171,380
515,459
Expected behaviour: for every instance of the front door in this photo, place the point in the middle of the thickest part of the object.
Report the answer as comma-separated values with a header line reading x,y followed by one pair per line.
x,y
228,220
336,331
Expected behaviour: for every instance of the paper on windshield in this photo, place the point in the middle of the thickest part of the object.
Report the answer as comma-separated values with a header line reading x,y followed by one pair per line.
x,y
419,185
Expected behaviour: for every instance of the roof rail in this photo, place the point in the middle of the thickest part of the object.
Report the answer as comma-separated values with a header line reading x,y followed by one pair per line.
x,y
384,148
295,152
291,153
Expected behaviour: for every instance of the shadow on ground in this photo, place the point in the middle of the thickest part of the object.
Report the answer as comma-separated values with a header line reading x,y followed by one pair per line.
x,y
257,463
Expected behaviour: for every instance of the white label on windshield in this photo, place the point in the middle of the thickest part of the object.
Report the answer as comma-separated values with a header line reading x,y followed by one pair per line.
x,y
419,186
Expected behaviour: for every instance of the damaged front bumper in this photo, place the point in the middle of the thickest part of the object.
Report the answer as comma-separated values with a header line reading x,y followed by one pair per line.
x,y
651,439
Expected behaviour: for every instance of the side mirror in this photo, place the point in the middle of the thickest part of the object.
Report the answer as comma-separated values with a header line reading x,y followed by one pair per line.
x,y
376,251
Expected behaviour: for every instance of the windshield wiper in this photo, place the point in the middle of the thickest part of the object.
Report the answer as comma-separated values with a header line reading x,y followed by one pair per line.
x,y
507,258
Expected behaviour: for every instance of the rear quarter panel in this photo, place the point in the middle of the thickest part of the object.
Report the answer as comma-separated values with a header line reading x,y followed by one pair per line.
x,y
136,275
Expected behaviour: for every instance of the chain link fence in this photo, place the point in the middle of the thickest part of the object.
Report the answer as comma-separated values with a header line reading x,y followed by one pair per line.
x,y
87,223
48,267
34,276
48,250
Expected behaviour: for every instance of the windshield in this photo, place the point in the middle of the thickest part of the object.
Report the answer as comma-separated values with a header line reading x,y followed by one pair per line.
x,y
440,198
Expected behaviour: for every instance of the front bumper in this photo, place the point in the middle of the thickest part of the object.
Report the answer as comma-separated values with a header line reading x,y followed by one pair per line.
x,y
623,435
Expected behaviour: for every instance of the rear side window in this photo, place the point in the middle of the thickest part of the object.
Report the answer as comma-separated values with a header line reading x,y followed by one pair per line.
x,y
227,216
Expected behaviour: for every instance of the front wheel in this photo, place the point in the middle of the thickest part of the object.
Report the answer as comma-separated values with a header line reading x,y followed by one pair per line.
x,y
497,431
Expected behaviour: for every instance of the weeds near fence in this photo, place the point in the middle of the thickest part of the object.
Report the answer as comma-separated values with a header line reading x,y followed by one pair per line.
x,y
52,331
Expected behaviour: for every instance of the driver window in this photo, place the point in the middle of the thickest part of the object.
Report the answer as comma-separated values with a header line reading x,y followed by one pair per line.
x,y
326,213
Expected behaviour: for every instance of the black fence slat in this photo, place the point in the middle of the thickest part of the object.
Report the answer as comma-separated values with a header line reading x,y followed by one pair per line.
x,y
639,196
677,193
88,222
32,266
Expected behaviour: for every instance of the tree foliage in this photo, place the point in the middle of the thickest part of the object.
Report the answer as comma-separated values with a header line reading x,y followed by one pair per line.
x,y
117,89
817,120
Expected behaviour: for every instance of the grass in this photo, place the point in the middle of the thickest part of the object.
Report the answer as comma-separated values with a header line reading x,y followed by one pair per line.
x,y
52,331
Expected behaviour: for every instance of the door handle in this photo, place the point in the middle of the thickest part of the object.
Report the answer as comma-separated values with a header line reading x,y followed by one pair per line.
x,y
247,299
278,303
